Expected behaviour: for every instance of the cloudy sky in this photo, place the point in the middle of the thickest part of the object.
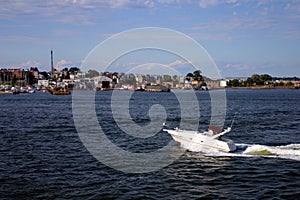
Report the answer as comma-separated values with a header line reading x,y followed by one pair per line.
x,y
242,36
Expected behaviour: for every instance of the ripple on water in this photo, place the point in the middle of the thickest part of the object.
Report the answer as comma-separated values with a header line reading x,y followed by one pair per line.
x,y
42,156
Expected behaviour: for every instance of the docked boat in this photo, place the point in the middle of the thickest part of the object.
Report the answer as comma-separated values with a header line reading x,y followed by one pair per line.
x,y
59,91
31,90
210,139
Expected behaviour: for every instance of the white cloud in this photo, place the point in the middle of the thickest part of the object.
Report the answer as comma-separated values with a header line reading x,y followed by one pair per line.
x,y
64,32
129,3
168,1
30,63
28,39
153,68
239,25
265,11
62,64
292,7
231,1
238,66
66,11
207,3
179,63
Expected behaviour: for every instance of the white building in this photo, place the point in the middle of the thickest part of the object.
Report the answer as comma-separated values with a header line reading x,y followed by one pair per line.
x,y
44,83
223,83
102,82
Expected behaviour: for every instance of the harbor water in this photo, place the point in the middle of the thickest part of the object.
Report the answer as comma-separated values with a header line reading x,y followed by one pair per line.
x,y
43,157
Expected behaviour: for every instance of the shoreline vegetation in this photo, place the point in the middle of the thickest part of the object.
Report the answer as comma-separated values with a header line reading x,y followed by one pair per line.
x,y
264,81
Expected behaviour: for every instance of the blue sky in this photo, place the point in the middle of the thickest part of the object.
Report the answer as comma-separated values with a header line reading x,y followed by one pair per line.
x,y
242,37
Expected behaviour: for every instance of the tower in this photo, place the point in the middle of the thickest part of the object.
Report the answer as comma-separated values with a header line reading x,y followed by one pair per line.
x,y
52,68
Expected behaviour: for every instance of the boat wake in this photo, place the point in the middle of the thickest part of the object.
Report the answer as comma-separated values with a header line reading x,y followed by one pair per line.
x,y
291,151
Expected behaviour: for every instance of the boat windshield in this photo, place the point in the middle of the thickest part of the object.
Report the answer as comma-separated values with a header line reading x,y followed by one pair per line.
x,y
214,129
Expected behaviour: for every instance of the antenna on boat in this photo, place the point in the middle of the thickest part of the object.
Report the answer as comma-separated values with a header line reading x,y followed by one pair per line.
x,y
233,119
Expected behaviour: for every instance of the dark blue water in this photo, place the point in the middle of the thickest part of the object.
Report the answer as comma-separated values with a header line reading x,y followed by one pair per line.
x,y
42,156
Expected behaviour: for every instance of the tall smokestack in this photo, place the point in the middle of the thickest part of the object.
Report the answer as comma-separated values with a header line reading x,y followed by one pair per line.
x,y
52,68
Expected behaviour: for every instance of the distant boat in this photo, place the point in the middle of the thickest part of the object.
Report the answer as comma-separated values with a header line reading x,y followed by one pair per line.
x,y
6,92
153,88
59,91
157,88
31,90
7,89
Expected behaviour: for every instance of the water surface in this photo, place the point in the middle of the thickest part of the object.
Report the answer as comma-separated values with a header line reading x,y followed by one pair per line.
x,y
42,156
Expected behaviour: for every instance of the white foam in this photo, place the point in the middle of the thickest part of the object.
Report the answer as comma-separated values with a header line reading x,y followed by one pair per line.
x,y
291,151
256,148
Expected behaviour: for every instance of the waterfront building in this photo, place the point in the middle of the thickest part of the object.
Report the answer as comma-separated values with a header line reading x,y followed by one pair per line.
x,y
44,83
103,82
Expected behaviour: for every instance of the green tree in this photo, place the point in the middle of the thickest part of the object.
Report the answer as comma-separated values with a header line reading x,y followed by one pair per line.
x,y
265,77
45,74
74,70
235,83
255,78
65,73
175,79
281,83
249,82
197,75
289,84
189,76
167,78
260,79
92,73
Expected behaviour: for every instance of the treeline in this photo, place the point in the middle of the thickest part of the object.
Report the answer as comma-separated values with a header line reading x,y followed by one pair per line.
x,y
255,79
262,80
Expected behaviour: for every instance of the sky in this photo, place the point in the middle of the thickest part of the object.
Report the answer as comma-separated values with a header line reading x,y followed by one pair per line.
x,y
242,37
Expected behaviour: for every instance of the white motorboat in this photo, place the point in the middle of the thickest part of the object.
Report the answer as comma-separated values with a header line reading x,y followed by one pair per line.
x,y
203,141
31,90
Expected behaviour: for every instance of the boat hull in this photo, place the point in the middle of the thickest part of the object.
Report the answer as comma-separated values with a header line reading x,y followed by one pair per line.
x,y
195,141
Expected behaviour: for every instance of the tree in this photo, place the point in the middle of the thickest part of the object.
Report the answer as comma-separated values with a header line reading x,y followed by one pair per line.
x,y
167,78
92,73
175,79
257,79
289,84
249,82
235,83
45,74
197,75
281,83
64,69
265,77
189,76
65,73
74,70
